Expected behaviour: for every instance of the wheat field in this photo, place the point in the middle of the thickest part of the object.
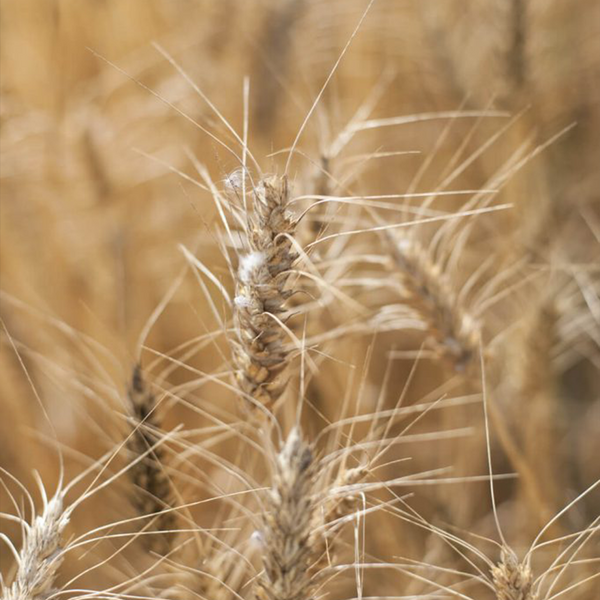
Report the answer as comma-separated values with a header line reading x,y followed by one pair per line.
x,y
300,299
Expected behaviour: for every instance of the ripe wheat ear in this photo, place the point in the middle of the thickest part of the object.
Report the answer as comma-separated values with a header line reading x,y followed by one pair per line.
x,y
260,354
42,552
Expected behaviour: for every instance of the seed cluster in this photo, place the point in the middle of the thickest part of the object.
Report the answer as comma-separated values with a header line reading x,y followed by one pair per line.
x,y
259,349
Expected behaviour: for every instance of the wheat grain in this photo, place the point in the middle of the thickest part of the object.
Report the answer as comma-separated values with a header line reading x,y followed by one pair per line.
x,y
512,579
42,553
289,517
260,353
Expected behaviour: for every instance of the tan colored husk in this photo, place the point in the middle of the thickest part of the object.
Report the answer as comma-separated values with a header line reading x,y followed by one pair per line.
x,y
260,353
512,579
42,553
290,515
430,293
338,502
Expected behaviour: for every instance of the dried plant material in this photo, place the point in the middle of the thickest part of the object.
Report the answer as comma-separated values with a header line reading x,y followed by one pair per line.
x,y
260,351
512,579
342,497
436,187
289,517
516,57
431,294
534,374
42,553
152,494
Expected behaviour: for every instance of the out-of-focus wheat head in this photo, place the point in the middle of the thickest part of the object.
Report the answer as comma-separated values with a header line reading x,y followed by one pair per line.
x,y
152,494
289,518
512,580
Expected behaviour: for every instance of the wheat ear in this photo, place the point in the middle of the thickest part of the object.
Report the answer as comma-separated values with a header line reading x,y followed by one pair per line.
x,y
512,579
42,552
153,493
430,293
288,523
260,354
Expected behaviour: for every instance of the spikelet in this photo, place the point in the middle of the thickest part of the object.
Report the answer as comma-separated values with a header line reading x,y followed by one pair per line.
x,y
259,351
153,492
431,295
42,552
512,579
288,522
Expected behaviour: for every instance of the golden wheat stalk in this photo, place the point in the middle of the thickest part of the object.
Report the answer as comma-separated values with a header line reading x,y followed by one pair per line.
x,y
512,580
42,552
153,494
260,354
430,293
288,522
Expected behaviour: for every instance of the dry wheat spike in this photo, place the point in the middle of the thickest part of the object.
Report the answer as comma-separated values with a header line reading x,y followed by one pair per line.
x,y
289,517
512,580
260,354
153,494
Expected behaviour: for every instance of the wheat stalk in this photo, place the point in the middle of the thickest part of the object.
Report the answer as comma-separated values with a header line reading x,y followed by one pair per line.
x,y
153,493
276,35
288,521
260,354
42,552
429,291
512,579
